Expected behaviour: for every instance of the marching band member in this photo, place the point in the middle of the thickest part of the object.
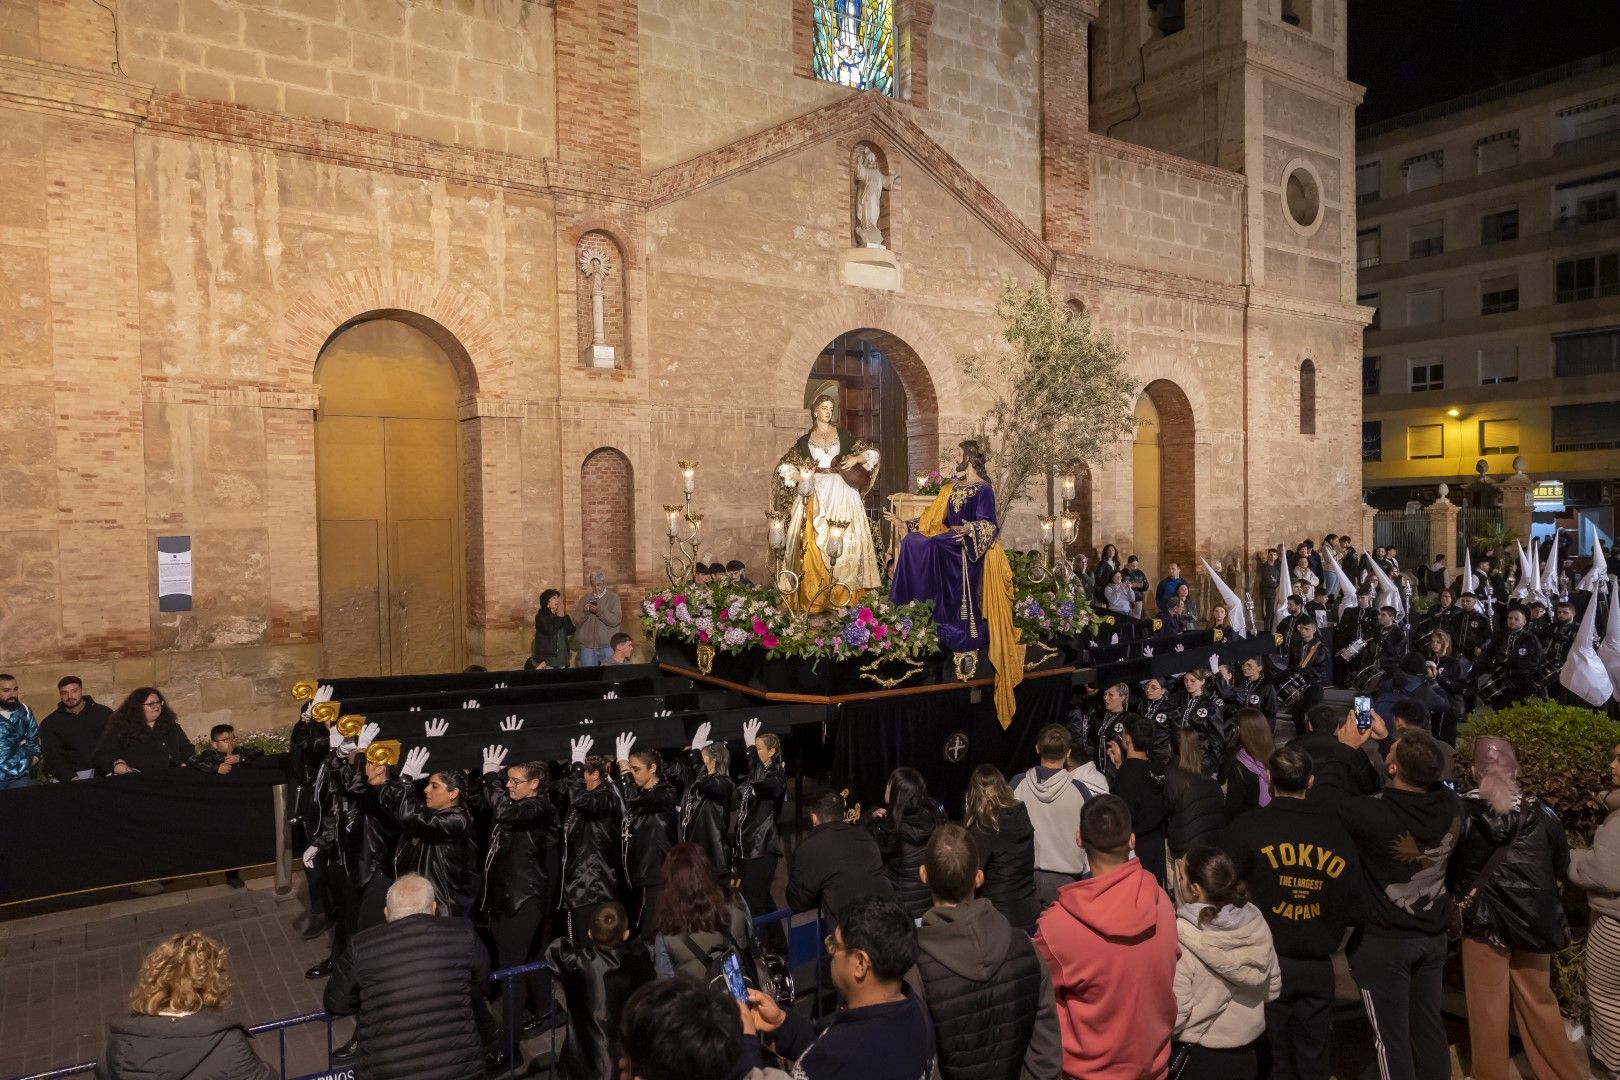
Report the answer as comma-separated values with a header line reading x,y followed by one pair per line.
x,y
707,791
1203,711
650,826
593,811
1357,626
1291,622
1442,616
1156,705
1449,672
1308,657
437,836
1512,661
1106,726
760,795
1251,691
520,874
1390,639
1471,632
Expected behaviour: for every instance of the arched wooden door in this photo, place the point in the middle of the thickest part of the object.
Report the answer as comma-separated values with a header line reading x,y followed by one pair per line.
x,y
389,504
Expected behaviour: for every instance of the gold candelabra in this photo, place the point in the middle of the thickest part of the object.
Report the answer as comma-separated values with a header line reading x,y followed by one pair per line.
x,y
683,528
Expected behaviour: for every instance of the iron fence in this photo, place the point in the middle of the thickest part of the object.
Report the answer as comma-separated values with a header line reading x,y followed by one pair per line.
x,y
1407,531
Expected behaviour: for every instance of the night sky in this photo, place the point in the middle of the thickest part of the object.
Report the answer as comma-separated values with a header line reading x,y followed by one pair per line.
x,y
1412,53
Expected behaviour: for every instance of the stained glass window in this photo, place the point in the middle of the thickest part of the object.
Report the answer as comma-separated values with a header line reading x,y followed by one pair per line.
x,y
855,43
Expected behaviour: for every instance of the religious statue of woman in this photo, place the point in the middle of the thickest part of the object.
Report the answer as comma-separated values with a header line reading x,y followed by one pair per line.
x,y
836,470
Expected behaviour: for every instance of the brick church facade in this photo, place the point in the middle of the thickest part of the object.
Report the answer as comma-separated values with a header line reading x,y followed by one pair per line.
x,y
306,282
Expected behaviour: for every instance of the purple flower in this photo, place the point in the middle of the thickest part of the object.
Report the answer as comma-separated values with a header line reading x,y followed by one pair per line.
x,y
856,635
1066,609
735,637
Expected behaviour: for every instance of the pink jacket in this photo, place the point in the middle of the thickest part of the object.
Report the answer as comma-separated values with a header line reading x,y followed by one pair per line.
x,y
1110,945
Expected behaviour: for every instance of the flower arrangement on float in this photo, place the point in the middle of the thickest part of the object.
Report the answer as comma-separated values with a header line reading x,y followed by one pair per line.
x,y
734,619
1045,608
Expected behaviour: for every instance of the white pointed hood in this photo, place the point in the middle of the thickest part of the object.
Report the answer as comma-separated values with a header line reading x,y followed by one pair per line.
x,y
1583,674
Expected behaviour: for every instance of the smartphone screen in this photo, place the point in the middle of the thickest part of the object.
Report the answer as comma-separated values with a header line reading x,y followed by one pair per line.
x,y
1363,713
732,966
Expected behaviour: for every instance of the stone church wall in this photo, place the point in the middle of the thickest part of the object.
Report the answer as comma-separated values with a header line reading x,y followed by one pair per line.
x,y
713,74
476,74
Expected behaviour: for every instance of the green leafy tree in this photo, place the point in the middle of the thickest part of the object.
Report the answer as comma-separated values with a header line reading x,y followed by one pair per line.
x,y
1058,393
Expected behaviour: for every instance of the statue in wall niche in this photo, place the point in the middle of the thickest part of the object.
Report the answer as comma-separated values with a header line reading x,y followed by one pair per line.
x,y
870,184
594,267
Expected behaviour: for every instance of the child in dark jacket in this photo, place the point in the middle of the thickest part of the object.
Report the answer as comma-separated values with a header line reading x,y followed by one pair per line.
x,y
223,755
597,977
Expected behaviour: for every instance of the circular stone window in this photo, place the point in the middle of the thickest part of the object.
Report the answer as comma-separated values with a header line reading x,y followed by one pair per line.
x,y
1302,196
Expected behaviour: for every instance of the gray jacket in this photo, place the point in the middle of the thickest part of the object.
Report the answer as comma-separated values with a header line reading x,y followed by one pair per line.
x,y
595,629
1597,868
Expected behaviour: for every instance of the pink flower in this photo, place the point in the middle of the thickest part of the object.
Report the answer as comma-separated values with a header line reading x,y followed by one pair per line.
x,y
879,632
681,599
865,617
760,628
703,636
769,641
658,601
669,618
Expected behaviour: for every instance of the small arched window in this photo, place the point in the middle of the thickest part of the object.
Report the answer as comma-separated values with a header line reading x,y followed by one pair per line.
x,y
1307,397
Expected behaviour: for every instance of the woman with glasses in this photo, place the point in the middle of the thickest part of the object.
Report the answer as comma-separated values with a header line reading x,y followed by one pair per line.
x,y
143,735
520,874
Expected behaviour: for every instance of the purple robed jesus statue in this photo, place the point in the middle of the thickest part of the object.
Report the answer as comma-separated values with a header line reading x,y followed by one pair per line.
x,y
947,566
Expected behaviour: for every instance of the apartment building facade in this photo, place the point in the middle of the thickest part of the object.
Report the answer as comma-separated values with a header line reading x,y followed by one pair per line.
x,y
1488,242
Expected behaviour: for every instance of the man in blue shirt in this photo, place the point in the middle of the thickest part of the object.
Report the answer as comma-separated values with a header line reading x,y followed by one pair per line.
x,y
1167,588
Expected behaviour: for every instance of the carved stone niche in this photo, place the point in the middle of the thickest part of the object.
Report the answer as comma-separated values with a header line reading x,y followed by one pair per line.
x,y
871,263
600,300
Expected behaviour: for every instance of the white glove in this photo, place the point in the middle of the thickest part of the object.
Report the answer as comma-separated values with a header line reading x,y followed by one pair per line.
x,y
415,763
323,693
416,708
1214,664
470,703
500,686
665,712
611,695
494,758
512,723
367,734
334,737
309,856
701,738
751,728
579,749
1147,650
435,727
622,746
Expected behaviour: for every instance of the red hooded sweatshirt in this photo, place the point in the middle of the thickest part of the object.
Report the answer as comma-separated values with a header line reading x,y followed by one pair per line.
x,y
1110,945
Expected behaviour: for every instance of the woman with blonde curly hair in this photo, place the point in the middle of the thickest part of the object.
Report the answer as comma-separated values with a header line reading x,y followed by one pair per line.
x,y
175,1030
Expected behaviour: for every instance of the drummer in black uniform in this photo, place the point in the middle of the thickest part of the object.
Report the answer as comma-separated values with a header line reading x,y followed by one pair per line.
x,y
1471,631
1508,668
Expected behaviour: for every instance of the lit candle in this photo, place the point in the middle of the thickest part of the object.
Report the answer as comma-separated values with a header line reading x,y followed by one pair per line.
x,y
806,480
674,515
1071,526
778,534
922,478
835,538
688,476
1067,483
1046,530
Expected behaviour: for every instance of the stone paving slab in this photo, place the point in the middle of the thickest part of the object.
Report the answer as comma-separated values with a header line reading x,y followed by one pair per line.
x,y
69,973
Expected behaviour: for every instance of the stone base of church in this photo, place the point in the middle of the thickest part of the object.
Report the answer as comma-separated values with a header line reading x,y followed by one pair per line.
x,y
597,356
873,268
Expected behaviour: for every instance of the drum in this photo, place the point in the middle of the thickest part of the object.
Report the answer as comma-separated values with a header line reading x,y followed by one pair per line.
x,y
1494,690
1367,681
1292,689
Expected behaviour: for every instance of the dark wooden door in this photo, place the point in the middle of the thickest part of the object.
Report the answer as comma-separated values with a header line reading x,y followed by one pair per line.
x,y
872,405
